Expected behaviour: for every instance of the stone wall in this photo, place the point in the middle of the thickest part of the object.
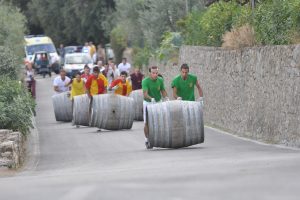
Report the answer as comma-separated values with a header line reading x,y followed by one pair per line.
x,y
12,150
252,92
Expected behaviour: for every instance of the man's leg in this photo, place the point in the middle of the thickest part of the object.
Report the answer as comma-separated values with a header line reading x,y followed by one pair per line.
x,y
146,127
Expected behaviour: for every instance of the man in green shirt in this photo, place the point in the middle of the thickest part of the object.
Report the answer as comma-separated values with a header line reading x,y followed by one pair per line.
x,y
153,91
183,85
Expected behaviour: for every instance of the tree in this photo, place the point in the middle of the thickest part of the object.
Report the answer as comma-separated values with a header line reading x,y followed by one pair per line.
x,y
12,28
72,21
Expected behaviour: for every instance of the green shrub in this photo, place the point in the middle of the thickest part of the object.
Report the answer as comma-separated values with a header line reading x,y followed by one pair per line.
x,y
16,106
206,27
191,28
8,63
12,29
275,21
169,47
118,39
141,56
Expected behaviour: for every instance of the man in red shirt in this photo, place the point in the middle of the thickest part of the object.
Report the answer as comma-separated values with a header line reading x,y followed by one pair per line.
x,y
96,83
85,76
121,85
136,79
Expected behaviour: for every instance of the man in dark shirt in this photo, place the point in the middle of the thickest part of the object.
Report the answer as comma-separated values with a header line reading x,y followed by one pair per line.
x,y
136,79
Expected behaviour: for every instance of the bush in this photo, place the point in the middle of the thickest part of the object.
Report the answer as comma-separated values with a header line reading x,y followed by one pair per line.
x,y
141,56
8,63
16,106
243,36
169,47
12,29
206,27
276,21
118,39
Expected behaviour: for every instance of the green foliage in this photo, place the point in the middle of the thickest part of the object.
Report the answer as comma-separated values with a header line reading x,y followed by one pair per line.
x,y
141,56
12,28
72,21
8,63
276,20
127,16
206,27
16,106
169,47
145,21
118,39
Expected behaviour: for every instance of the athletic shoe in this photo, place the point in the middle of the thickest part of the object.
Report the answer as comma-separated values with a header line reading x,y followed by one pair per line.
x,y
148,145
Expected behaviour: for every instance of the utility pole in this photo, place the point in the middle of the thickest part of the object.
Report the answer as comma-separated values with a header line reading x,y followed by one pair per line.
x,y
187,7
252,4
253,7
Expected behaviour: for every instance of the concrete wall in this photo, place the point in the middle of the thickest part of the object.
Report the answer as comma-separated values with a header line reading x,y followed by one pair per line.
x,y
253,92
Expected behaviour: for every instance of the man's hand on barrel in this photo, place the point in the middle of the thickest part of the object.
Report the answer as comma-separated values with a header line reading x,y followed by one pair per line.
x,y
153,100
115,87
201,100
166,99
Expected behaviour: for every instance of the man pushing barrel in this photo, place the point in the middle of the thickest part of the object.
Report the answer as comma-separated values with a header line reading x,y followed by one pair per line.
x,y
183,85
153,90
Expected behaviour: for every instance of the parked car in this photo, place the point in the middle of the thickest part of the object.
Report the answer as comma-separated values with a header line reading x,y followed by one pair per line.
x,y
76,61
70,49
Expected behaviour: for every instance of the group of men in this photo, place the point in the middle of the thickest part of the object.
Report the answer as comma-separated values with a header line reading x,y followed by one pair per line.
x,y
100,80
153,86
154,91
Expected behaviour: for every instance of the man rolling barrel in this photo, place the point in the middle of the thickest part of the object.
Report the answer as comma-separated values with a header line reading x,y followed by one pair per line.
x,y
121,85
153,89
96,83
183,85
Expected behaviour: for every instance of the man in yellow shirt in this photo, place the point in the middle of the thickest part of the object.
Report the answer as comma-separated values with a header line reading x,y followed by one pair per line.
x,y
121,85
77,85
92,49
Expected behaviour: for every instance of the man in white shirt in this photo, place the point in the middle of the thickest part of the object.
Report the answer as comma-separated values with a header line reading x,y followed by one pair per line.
x,y
61,82
124,66
113,73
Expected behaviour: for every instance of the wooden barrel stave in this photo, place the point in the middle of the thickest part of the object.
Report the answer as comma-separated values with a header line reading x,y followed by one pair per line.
x,y
62,107
81,110
112,112
137,95
175,124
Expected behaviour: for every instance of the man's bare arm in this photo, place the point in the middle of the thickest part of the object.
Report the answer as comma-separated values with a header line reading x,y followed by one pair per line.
x,y
164,93
199,89
175,93
146,95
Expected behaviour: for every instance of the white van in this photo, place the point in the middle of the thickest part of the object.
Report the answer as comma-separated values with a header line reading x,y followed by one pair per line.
x,y
38,43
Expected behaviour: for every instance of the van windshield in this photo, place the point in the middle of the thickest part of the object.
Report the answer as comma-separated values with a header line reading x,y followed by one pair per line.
x,y
40,47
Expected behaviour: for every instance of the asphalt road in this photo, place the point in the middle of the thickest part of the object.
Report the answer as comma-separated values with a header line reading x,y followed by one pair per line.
x,y
69,163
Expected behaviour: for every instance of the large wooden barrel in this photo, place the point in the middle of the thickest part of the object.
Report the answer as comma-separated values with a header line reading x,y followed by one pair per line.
x,y
175,124
138,98
81,110
112,112
62,107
